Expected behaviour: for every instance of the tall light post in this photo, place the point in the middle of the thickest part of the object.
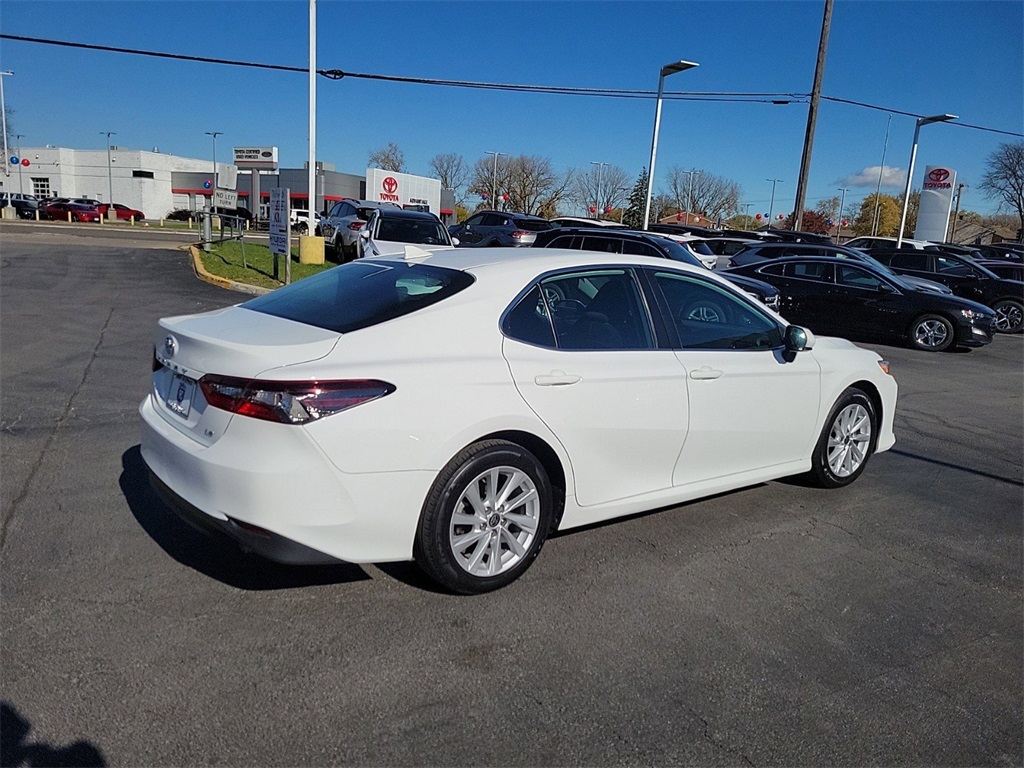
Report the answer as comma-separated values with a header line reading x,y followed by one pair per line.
x,y
110,173
3,118
771,205
956,213
842,203
910,171
213,194
18,137
668,69
600,173
494,178
878,187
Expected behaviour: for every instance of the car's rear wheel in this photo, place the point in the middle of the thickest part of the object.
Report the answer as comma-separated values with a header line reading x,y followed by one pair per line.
x,y
485,519
846,441
1009,316
932,333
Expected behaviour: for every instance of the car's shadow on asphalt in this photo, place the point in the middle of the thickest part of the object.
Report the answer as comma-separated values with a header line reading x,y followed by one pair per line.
x,y
216,556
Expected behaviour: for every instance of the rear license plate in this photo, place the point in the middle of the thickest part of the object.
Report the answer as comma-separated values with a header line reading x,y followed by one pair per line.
x,y
179,394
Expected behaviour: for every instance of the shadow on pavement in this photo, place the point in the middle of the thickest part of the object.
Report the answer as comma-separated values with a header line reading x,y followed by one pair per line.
x,y
16,750
216,556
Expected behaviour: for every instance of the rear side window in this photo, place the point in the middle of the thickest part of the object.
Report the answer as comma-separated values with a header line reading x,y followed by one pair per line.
x,y
909,260
359,295
816,271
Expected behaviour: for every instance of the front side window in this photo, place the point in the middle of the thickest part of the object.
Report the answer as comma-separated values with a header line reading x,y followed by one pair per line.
x,y
598,309
946,265
709,316
854,277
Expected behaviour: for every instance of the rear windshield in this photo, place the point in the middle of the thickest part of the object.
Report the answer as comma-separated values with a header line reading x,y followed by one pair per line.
x,y
533,225
360,294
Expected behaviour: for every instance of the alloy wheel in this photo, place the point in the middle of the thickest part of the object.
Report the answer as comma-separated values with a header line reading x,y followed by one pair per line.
x,y
849,440
931,333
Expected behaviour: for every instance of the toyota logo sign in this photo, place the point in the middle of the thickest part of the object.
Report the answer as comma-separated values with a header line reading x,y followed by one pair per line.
x,y
939,174
390,184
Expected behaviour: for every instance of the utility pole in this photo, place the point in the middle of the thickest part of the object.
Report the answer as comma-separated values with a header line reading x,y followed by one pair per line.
x,y
771,205
19,137
812,118
842,203
110,173
878,188
494,179
3,117
600,173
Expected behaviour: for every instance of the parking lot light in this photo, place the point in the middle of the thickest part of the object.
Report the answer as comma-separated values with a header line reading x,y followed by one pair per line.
x,y
668,69
910,170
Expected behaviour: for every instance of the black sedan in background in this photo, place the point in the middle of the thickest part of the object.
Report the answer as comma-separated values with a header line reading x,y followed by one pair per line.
x,y
967,279
647,244
856,300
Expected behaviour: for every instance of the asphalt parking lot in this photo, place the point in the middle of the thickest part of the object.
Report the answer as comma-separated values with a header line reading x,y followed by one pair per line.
x,y
777,625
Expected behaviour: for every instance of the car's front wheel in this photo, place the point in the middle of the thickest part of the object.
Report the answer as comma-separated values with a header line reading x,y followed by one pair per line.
x,y
485,519
846,441
932,333
1009,316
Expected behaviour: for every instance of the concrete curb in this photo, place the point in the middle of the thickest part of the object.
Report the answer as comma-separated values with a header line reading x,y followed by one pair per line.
x,y
222,282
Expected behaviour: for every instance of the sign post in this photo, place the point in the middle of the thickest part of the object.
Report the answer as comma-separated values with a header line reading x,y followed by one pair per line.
x,y
280,230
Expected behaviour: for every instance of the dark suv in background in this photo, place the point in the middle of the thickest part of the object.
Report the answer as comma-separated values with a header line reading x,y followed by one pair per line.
x,y
497,228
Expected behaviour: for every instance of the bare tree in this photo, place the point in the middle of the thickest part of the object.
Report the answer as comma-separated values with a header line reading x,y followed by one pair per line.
x,y
1004,178
829,207
704,193
601,187
390,158
529,182
452,172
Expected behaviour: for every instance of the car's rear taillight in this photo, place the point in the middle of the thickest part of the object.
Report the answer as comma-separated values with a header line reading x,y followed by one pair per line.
x,y
290,402
357,225
519,233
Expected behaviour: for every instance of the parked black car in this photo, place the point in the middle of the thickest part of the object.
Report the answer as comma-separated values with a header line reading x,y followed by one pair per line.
x,y
856,300
727,246
24,207
966,278
1008,270
683,229
1007,251
796,236
648,244
762,251
498,228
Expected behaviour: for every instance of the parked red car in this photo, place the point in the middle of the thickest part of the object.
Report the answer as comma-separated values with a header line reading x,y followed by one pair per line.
x,y
78,212
124,212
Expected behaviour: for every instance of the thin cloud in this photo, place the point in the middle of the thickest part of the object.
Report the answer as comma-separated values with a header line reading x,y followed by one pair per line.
x,y
891,177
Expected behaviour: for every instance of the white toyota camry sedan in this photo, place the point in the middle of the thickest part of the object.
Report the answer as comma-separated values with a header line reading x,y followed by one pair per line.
x,y
455,407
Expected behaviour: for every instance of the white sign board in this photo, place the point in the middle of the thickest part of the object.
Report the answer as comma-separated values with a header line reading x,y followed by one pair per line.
x,y
936,201
225,198
280,228
403,189
256,158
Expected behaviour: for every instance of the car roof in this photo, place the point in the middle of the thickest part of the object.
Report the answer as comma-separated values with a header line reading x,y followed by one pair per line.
x,y
402,213
512,214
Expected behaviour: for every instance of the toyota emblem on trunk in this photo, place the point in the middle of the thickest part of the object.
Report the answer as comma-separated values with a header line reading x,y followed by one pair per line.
x,y
170,346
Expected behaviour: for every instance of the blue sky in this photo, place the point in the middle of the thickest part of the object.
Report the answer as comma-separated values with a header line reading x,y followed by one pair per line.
x,y
923,57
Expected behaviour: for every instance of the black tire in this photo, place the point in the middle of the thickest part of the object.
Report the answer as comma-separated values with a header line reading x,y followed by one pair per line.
x,y
932,333
486,558
1009,316
704,311
847,441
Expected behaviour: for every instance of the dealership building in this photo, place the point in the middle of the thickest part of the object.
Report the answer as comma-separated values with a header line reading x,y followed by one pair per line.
x,y
157,183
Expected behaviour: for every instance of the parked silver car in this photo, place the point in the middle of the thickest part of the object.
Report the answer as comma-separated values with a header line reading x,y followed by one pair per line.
x,y
341,226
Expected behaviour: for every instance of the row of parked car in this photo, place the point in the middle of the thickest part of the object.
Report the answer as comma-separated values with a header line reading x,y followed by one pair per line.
x,y
66,208
933,296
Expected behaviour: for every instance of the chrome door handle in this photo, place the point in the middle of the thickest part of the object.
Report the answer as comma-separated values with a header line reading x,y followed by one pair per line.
x,y
704,373
556,379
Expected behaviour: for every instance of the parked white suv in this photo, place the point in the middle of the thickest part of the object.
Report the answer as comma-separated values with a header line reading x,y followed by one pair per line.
x,y
341,226
889,242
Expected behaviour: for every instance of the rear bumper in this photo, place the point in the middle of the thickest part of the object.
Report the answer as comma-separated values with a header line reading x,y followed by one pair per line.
x,y
271,488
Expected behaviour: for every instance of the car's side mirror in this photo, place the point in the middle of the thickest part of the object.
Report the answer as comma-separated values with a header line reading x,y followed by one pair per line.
x,y
798,339
455,241
885,288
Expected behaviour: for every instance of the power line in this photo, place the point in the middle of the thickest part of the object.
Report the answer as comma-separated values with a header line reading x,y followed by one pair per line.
x,y
618,93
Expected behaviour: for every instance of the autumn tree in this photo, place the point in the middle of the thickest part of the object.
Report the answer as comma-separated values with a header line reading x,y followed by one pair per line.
x,y
813,221
888,221
452,172
530,183
1004,179
602,187
390,158
829,207
704,193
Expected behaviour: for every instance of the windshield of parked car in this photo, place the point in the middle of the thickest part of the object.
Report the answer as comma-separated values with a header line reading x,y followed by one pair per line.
x,y
361,294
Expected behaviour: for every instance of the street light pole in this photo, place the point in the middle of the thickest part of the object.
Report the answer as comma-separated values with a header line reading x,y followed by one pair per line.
x,y
910,171
213,194
19,137
494,178
668,69
600,173
689,195
110,173
956,213
878,188
842,203
3,117
771,205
